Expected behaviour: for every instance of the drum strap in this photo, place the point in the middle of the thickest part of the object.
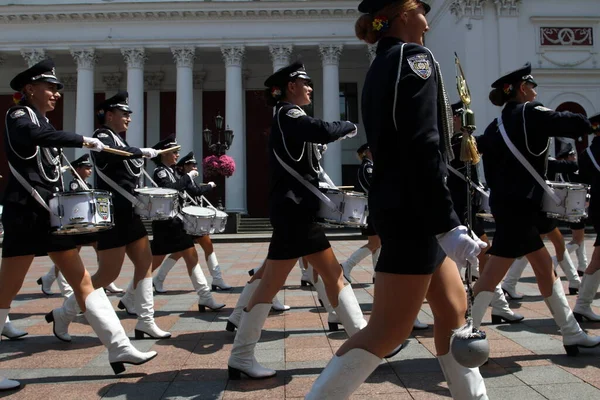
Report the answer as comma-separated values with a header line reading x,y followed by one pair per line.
x,y
526,163
589,151
307,184
461,176
32,191
119,189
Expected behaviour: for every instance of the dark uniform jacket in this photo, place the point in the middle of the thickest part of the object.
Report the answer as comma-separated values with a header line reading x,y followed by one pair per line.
x,y
589,174
512,187
166,177
410,171
562,170
457,185
125,171
364,176
40,166
293,137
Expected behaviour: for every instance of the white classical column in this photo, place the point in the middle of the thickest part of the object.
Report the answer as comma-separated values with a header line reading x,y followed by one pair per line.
x,y
184,116
84,114
69,100
280,55
508,29
135,57
153,82
199,77
235,186
330,56
33,56
112,83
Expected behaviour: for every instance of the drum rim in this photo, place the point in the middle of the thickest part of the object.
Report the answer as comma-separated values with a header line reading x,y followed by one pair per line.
x,y
79,193
170,192
193,215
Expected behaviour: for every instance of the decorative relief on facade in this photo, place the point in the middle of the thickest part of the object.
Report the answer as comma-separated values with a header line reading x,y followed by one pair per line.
x,y
33,56
184,56
371,51
135,57
330,53
281,53
85,58
153,80
199,78
112,80
561,36
69,81
467,8
233,55
508,8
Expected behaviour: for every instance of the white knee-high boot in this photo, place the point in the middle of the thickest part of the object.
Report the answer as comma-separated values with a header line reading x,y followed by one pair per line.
x,y
159,280
306,278
47,280
65,289
205,298
509,285
6,384
127,302
215,272
343,375
242,360
573,336
349,312
11,332
332,319
234,319
464,383
62,317
356,257
501,311
480,305
587,291
102,318
582,260
570,272
144,305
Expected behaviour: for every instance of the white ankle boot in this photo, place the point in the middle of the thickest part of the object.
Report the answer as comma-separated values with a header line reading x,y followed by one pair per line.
x,y
233,322
419,326
112,288
464,383
11,332
65,289
573,336
6,384
509,285
242,360
583,307
333,320
62,317
343,375
102,318
570,272
159,280
127,302
356,257
144,304
215,272
205,299
501,311
582,260
480,305
276,305
47,280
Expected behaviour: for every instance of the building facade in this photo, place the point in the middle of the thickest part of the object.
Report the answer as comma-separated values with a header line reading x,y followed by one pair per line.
x,y
184,62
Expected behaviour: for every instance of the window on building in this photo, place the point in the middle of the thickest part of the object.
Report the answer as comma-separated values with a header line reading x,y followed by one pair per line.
x,y
349,102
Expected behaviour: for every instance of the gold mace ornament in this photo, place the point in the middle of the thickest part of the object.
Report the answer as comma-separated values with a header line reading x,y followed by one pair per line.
x,y
468,147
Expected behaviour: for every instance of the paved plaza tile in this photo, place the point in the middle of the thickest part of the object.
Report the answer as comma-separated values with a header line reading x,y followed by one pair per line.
x,y
527,360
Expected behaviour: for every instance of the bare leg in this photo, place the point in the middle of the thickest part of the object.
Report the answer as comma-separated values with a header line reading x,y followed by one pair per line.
x,y
12,275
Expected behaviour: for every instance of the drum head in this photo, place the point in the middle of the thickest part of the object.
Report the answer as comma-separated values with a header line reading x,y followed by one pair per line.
x,y
198,211
156,191
221,214
355,194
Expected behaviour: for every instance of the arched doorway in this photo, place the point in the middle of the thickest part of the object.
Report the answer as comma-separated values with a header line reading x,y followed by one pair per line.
x,y
581,143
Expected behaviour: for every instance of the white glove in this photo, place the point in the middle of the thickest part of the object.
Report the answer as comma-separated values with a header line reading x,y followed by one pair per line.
x,y
149,152
212,184
93,144
351,134
458,245
192,174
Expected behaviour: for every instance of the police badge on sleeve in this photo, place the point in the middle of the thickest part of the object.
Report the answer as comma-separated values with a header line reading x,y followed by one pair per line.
x,y
420,65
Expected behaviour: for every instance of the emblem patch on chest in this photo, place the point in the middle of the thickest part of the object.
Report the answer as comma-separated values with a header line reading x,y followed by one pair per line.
x,y
420,65
17,113
295,113
162,174
74,186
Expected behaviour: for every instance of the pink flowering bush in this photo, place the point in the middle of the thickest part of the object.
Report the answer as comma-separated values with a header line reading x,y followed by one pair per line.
x,y
215,166
227,165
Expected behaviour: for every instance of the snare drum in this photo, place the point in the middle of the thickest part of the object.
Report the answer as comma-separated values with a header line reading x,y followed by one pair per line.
x,y
219,223
351,209
76,213
572,201
197,221
157,203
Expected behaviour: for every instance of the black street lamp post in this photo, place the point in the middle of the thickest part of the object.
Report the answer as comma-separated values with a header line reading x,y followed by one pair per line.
x,y
218,148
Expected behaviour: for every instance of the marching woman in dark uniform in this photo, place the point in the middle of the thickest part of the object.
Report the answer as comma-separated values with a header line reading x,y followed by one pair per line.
x,y
186,165
83,169
120,175
589,172
516,196
33,150
169,236
457,185
293,205
408,129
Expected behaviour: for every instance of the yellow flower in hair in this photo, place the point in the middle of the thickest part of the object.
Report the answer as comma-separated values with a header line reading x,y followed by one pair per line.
x,y
380,24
